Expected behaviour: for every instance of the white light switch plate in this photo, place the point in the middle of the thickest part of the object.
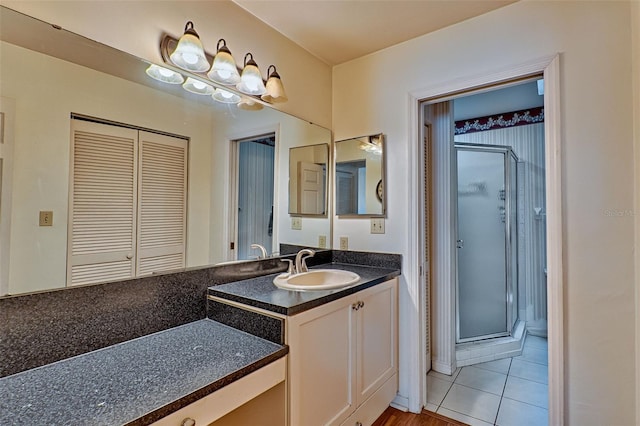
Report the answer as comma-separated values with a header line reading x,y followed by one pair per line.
x,y
377,225
296,223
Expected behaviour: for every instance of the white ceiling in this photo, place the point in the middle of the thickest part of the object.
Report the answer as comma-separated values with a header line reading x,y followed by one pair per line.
x,y
337,31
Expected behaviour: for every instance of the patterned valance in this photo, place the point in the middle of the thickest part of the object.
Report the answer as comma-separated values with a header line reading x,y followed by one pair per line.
x,y
500,121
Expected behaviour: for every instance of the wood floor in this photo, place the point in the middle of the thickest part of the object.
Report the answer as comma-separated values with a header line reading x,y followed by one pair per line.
x,y
393,417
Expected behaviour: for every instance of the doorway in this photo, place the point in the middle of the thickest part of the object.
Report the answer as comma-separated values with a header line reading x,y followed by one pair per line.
x,y
549,214
253,212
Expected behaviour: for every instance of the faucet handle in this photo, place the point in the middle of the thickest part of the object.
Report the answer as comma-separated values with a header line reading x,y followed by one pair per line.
x,y
290,269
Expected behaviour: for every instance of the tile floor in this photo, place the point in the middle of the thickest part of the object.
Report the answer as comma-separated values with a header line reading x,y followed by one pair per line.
x,y
505,392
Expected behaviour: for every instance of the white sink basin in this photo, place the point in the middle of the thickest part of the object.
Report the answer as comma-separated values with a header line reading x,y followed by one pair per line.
x,y
317,279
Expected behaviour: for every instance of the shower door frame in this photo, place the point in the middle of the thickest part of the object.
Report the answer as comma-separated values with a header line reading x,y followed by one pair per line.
x,y
511,296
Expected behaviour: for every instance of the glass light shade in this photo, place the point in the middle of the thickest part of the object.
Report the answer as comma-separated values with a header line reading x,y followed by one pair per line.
x,y
165,75
249,105
226,97
275,89
224,69
251,80
199,88
189,54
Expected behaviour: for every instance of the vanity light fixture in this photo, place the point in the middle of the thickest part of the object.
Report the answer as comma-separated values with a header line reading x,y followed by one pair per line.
x,y
250,80
229,84
224,69
165,75
275,89
189,54
226,97
196,86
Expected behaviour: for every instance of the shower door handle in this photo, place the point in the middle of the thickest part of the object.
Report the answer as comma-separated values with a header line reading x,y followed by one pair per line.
x,y
460,243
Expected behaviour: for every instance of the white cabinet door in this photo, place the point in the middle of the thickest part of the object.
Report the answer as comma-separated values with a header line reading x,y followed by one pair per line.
x,y
376,358
321,364
340,355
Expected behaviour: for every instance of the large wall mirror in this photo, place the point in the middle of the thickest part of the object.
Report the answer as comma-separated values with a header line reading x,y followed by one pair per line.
x,y
308,180
48,75
360,176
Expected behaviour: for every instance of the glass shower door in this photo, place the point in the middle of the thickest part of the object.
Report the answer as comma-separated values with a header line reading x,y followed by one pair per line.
x,y
482,288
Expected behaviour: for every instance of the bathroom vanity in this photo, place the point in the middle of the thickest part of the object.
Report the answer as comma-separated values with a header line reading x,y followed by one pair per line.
x,y
343,345
283,357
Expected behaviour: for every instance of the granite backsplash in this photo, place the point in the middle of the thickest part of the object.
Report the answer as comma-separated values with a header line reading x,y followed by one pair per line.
x,y
40,328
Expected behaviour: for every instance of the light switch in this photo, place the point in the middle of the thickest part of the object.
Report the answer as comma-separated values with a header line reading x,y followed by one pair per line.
x,y
322,241
46,218
377,225
296,223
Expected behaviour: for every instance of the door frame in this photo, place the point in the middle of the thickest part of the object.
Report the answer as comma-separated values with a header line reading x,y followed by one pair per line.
x,y
232,194
549,67
7,118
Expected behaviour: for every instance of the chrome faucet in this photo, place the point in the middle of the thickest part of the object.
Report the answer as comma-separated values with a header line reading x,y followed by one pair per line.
x,y
301,265
263,251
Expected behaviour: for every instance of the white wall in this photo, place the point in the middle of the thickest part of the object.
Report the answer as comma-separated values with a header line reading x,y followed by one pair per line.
x,y
594,40
44,102
136,27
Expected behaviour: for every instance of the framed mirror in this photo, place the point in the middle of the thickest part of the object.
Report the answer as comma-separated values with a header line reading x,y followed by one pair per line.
x,y
86,78
308,180
359,177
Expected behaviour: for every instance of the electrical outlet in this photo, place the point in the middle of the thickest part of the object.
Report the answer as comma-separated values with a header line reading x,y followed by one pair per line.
x,y
344,243
322,241
296,223
46,218
377,225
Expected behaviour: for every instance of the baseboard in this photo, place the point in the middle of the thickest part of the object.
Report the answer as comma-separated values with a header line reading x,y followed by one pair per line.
x,y
400,403
442,367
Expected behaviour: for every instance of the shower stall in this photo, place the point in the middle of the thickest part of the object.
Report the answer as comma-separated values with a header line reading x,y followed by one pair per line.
x,y
487,249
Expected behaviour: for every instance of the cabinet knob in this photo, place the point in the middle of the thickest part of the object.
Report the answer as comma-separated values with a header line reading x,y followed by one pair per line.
x,y
358,423
188,422
129,256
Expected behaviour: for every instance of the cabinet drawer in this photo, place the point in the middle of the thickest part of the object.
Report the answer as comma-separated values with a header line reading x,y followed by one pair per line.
x,y
223,401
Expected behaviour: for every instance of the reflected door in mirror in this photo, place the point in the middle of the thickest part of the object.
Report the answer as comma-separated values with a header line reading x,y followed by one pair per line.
x,y
310,188
308,180
127,204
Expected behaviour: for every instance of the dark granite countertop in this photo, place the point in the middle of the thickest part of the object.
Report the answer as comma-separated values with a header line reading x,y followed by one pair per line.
x,y
136,382
260,292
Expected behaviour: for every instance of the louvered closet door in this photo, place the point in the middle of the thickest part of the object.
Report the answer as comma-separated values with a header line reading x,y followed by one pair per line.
x,y
162,203
102,226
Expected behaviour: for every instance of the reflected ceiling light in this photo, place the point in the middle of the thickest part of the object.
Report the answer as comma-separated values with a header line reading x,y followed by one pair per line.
x,y
226,97
249,105
224,69
250,80
372,145
199,88
165,75
275,89
189,53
